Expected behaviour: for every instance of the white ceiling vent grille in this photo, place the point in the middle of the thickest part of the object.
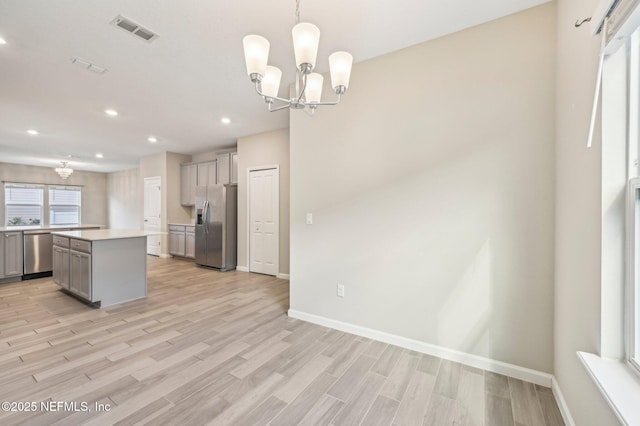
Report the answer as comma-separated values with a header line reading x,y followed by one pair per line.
x,y
134,28
82,63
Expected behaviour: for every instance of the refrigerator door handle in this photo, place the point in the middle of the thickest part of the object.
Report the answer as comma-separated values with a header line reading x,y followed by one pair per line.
x,y
205,214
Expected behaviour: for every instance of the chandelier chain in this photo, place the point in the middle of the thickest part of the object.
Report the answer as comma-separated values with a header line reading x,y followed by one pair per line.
x,y
297,11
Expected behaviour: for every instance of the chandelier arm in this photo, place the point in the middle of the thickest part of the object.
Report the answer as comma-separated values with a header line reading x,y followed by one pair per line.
x,y
304,87
336,102
277,98
288,105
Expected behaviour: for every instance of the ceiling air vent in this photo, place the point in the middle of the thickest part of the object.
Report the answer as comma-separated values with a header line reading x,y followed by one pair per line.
x,y
82,63
134,28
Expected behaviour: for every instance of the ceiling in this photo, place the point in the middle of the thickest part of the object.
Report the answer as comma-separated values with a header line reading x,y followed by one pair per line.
x,y
179,86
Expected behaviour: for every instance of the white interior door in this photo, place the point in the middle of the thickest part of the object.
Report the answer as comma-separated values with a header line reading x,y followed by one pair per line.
x,y
152,206
263,221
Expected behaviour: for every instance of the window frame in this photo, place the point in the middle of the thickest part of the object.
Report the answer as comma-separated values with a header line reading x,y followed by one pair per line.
x,y
632,229
45,206
50,203
9,185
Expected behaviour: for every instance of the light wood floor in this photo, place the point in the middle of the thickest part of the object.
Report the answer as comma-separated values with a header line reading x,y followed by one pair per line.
x,y
218,348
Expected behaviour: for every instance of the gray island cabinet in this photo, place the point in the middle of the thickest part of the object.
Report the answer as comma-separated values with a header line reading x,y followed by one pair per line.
x,y
104,267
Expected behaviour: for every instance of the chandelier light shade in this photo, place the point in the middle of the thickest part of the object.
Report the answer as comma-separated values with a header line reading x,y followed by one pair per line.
x,y
271,81
340,64
64,171
256,53
314,88
308,93
306,38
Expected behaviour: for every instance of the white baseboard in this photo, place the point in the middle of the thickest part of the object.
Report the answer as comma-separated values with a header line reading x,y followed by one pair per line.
x,y
242,269
562,404
282,276
515,371
164,256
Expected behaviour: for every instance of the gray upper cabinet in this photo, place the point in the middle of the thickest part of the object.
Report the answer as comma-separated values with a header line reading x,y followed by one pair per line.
x,y
224,168
228,167
188,182
207,173
234,167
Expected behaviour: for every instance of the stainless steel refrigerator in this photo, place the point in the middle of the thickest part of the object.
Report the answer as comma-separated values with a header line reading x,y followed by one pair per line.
x,y
216,226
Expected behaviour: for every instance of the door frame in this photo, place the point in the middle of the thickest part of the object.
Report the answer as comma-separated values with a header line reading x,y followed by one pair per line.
x,y
144,190
275,167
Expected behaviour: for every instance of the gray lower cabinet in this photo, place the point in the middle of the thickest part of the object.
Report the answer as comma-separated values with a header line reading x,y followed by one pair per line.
x,y
177,243
190,245
12,256
182,240
61,266
80,274
72,265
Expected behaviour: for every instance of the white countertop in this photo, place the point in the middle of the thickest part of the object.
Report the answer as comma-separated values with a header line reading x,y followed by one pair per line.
x,y
45,228
183,224
106,234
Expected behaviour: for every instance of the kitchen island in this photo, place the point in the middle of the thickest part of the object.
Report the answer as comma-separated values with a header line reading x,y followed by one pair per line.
x,y
104,267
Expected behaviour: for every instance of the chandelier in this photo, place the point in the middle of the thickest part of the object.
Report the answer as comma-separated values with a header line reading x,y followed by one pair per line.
x,y
308,84
64,171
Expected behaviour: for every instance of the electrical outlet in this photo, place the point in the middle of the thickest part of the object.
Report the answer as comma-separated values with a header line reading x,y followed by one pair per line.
x,y
309,219
340,290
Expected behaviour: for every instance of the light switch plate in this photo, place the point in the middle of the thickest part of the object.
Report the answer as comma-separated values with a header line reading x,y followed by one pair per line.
x,y
309,219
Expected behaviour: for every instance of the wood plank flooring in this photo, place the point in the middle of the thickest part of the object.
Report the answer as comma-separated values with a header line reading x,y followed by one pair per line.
x,y
218,348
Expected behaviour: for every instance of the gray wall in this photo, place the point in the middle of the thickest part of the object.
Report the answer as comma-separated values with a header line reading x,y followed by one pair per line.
x,y
432,190
94,191
265,149
578,217
124,200
167,166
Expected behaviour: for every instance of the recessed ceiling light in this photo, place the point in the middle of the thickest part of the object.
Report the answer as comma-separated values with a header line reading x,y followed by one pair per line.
x,y
152,139
33,132
111,112
225,120
99,155
3,41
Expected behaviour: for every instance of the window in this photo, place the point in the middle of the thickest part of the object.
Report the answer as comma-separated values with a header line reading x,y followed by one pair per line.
x,y
26,204
64,205
633,293
23,204
633,204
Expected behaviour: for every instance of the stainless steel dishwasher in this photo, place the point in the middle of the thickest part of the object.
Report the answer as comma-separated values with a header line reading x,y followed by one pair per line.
x,y
38,252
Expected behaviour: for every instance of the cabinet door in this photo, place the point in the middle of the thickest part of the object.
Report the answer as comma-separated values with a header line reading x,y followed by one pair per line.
x,y
184,185
203,174
173,242
192,170
177,243
61,266
234,167
190,249
207,173
224,168
212,173
80,274
13,254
